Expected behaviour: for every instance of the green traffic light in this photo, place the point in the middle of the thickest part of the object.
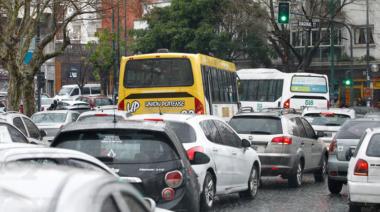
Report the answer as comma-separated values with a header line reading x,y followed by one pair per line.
x,y
347,82
283,12
284,18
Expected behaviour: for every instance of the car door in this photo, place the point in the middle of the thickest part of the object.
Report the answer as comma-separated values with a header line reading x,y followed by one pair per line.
x,y
16,135
20,125
305,144
220,154
373,159
316,147
232,142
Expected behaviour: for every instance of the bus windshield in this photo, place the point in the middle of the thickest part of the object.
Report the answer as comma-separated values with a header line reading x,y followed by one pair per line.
x,y
308,84
158,72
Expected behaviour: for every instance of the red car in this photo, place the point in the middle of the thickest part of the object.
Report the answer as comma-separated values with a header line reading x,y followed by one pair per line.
x,y
95,101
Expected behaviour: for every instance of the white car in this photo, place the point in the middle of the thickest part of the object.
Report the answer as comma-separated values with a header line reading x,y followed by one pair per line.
x,y
63,189
234,166
103,115
327,122
364,171
53,121
73,91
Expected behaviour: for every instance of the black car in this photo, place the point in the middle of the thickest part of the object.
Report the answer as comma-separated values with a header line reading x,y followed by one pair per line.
x,y
148,155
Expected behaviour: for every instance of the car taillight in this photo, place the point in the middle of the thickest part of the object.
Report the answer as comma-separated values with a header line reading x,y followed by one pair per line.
x,y
191,152
121,105
282,140
174,179
199,109
287,103
361,168
101,114
332,147
153,119
168,194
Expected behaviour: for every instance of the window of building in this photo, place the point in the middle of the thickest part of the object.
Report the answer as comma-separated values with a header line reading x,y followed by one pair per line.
x,y
360,34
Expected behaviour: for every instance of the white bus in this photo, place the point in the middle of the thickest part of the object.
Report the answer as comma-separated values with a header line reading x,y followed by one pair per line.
x,y
271,88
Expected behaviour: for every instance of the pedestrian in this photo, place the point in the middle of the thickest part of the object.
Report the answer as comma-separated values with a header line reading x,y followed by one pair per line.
x,y
53,105
360,102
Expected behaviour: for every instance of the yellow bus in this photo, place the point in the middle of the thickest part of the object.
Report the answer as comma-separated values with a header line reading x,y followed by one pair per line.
x,y
177,83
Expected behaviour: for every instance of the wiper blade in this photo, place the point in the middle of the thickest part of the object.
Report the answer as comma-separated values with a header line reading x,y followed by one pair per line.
x,y
332,124
260,132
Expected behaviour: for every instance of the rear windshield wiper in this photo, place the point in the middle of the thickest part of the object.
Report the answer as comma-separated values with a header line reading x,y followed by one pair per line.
x,y
260,132
105,158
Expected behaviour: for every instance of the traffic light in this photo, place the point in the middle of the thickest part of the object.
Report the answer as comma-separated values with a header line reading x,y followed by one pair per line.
x,y
347,82
283,12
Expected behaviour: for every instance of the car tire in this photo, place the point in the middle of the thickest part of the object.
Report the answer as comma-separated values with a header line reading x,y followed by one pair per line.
x,y
354,208
208,194
253,184
335,187
295,179
320,175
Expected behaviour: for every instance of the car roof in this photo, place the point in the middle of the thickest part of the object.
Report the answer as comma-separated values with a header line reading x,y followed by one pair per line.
x,y
51,187
54,111
108,112
270,114
79,126
167,116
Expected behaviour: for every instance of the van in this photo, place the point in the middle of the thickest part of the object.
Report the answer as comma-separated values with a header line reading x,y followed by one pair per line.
x,y
70,92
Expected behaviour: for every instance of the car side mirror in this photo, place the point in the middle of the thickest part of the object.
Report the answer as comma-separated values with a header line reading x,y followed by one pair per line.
x,y
320,134
349,154
43,133
245,143
151,204
200,158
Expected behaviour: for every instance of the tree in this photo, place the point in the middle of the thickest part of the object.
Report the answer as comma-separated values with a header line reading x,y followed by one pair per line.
x,y
102,57
305,11
20,23
223,28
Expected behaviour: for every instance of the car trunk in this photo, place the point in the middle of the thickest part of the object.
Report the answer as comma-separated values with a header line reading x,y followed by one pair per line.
x,y
343,145
152,176
263,142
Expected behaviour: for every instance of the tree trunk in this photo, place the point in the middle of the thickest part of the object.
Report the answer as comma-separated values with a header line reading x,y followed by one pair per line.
x,y
28,97
14,89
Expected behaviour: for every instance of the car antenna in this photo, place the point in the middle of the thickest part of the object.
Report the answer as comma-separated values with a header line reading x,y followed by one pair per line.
x,y
114,116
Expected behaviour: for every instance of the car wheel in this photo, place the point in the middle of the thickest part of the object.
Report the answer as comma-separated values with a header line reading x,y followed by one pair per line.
x,y
335,187
208,194
354,208
320,175
295,179
253,184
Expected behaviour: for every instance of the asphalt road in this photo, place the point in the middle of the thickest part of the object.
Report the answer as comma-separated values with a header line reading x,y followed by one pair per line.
x,y
275,196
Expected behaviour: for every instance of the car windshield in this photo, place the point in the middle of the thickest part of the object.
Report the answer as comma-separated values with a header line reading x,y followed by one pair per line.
x,y
121,146
256,125
49,118
326,119
354,129
184,132
65,91
95,118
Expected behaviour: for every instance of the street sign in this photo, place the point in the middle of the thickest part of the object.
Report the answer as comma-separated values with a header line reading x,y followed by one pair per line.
x,y
367,93
308,24
28,57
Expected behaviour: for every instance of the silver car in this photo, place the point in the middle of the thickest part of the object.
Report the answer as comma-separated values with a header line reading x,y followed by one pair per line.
x,y
52,121
345,140
327,122
52,189
286,143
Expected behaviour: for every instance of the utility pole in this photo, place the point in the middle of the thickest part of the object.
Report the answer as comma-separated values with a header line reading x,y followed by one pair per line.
x,y
114,55
332,53
39,74
118,51
368,76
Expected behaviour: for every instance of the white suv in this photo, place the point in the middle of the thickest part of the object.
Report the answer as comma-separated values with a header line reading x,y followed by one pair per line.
x,y
234,166
364,171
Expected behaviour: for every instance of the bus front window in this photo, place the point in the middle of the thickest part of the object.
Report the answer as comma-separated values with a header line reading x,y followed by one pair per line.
x,y
160,72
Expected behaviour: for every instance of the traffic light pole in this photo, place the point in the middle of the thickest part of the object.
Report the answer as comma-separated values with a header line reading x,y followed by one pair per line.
x,y
368,76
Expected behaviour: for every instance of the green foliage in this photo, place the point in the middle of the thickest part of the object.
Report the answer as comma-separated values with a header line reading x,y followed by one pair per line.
x,y
228,29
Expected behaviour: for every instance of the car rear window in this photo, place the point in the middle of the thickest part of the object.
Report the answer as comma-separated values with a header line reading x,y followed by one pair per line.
x,y
121,146
184,132
354,129
256,125
326,119
373,149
